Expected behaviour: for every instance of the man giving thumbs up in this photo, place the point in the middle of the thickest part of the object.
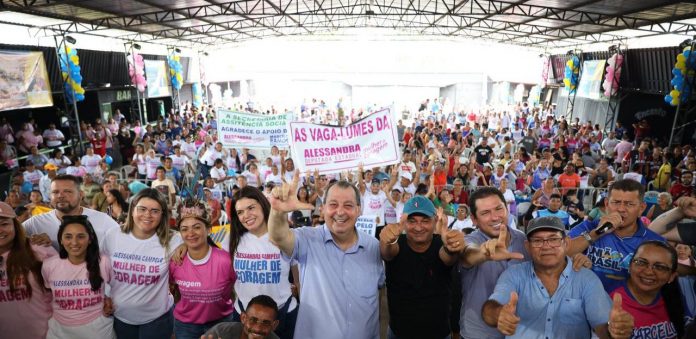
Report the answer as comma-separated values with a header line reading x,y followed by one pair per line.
x,y
546,298
418,269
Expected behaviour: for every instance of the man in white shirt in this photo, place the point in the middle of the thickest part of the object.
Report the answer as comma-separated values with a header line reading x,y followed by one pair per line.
x,y
406,164
65,197
208,158
90,160
406,183
610,143
52,136
164,185
373,202
179,160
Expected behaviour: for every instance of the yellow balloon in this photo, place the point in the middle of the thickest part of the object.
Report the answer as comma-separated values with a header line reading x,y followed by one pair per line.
x,y
178,77
75,59
675,101
681,58
674,93
68,49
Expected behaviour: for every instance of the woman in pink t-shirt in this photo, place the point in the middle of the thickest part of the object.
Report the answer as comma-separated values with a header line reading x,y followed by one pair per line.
x,y
25,305
651,293
77,278
205,277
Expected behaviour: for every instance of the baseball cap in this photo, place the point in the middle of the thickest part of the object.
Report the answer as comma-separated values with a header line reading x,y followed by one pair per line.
x,y
407,175
50,167
6,211
419,204
397,188
545,223
375,181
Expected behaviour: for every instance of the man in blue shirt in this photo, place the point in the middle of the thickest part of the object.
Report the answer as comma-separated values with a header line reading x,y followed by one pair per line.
x,y
545,298
554,210
611,251
341,268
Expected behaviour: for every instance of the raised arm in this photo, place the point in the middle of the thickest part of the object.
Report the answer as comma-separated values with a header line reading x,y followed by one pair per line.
x,y
284,200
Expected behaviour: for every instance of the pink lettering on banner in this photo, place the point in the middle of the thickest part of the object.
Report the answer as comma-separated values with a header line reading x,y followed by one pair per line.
x,y
375,205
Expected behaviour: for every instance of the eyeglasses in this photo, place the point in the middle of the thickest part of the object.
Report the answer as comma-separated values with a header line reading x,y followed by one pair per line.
x,y
617,203
264,323
657,267
539,242
150,211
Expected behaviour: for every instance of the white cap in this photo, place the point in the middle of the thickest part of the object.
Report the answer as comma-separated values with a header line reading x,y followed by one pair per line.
x,y
407,175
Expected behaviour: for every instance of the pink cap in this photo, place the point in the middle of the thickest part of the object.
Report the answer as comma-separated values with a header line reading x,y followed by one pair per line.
x,y
6,211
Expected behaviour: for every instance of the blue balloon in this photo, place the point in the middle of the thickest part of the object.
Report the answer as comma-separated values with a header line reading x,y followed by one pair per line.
x,y
108,160
676,71
668,99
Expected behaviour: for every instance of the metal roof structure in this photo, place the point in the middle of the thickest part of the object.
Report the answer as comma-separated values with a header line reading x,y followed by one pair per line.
x,y
542,24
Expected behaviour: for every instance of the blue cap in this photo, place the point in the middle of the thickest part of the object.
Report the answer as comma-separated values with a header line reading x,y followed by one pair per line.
x,y
419,204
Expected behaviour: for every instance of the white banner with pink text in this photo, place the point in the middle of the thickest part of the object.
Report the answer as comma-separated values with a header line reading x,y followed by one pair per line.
x,y
371,141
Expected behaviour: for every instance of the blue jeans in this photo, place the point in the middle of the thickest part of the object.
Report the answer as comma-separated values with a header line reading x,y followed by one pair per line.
x,y
184,330
160,328
391,335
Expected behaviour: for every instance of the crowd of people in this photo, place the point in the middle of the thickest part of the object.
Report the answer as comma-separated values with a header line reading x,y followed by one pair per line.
x,y
505,222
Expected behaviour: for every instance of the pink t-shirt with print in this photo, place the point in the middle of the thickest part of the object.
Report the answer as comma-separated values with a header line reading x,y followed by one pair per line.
x,y
22,316
74,302
205,286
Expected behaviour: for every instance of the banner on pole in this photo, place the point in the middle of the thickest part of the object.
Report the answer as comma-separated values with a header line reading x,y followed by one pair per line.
x,y
23,81
591,79
371,141
157,79
237,129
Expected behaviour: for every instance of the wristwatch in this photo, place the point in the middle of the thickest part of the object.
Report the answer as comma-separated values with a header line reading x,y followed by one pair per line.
x,y
587,237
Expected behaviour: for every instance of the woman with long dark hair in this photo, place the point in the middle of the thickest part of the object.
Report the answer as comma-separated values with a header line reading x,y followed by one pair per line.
x,y
204,277
139,253
27,305
251,249
76,278
118,207
651,293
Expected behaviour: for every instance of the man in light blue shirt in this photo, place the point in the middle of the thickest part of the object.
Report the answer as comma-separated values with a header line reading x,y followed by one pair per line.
x,y
545,298
341,270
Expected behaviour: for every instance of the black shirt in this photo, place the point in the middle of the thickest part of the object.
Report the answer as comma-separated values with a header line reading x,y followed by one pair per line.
x,y
483,154
418,292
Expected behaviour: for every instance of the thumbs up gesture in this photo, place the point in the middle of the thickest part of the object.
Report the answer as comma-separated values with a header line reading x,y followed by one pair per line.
x,y
620,321
452,240
507,319
390,233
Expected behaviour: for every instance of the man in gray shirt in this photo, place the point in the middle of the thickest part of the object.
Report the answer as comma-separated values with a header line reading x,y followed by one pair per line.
x,y
258,321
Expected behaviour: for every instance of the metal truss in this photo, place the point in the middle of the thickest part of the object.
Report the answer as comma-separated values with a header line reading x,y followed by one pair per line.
x,y
518,23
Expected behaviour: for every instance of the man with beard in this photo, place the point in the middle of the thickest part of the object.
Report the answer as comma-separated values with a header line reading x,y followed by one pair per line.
x,y
65,198
258,321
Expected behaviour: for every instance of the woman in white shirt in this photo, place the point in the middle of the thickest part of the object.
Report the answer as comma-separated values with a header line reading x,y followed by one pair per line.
x,y
250,249
139,255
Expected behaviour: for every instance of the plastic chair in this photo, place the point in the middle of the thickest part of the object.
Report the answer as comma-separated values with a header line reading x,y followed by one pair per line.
x,y
126,170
